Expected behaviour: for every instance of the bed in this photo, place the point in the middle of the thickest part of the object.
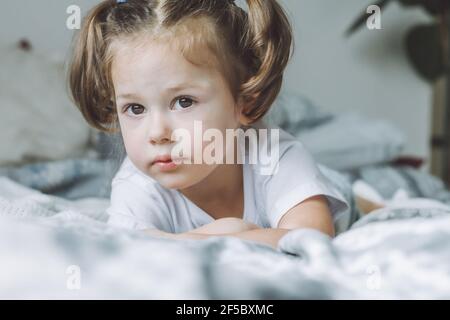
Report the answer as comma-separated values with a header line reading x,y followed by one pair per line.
x,y
55,243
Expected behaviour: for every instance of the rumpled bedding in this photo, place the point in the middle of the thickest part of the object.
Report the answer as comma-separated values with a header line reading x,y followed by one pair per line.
x,y
51,247
71,179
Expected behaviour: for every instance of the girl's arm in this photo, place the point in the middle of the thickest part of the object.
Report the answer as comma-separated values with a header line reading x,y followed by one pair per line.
x,y
217,227
225,226
312,213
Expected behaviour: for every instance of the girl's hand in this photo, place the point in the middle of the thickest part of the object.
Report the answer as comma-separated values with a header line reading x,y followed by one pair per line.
x,y
366,206
225,226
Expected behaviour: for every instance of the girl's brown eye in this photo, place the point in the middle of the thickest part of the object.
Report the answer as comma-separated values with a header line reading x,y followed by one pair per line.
x,y
135,109
183,103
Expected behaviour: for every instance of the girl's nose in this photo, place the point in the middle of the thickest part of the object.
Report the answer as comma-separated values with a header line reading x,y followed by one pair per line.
x,y
159,131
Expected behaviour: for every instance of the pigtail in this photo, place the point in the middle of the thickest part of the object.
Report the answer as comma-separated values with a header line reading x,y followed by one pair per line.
x,y
89,85
269,39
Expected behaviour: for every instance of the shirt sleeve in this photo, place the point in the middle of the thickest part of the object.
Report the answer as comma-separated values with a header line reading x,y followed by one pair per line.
x,y
133,207
296,179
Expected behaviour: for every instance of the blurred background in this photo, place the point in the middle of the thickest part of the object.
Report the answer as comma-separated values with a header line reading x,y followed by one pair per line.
x,y
368,73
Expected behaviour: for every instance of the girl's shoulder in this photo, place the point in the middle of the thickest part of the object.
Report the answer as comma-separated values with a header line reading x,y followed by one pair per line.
x,y
275,133
277,147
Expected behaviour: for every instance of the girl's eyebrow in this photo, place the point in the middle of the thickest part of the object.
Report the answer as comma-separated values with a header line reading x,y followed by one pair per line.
x,y
174,88
182,86
127,96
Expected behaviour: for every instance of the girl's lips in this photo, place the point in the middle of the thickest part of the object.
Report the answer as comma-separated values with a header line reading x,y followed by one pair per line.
x,y
162,158
165,165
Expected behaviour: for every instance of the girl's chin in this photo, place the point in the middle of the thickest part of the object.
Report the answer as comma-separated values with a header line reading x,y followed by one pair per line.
x,y
173,182
181,179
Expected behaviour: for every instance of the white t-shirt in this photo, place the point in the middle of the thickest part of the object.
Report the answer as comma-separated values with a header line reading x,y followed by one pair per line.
x,y
140,202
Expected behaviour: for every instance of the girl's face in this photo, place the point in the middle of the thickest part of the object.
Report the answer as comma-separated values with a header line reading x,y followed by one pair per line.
x,y
158,91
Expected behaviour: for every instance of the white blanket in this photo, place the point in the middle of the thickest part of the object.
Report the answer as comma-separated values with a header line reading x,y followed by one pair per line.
x,y
54,248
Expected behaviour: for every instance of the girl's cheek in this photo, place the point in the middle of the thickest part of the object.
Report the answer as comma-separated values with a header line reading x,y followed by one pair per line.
x,y
133,143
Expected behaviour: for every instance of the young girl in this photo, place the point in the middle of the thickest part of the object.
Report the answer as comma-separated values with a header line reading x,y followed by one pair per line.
x,y
147,68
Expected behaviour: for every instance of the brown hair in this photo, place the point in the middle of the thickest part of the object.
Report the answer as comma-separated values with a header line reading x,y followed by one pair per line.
x,y
252,49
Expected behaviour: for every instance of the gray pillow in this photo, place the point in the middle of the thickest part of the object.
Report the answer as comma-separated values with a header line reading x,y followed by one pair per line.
x,y
340,141
294,113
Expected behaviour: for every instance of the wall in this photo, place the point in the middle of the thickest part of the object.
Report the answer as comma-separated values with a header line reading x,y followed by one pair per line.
x,y
368,72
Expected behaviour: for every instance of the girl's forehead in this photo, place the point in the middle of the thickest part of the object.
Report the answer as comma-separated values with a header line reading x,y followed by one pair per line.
x,y
133,56
159,66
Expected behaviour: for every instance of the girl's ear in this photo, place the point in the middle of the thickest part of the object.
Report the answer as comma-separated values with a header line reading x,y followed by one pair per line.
x,y
242,105
240,117
244,121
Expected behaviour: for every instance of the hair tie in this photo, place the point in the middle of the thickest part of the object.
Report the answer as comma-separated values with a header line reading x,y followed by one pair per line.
x,y
121,1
